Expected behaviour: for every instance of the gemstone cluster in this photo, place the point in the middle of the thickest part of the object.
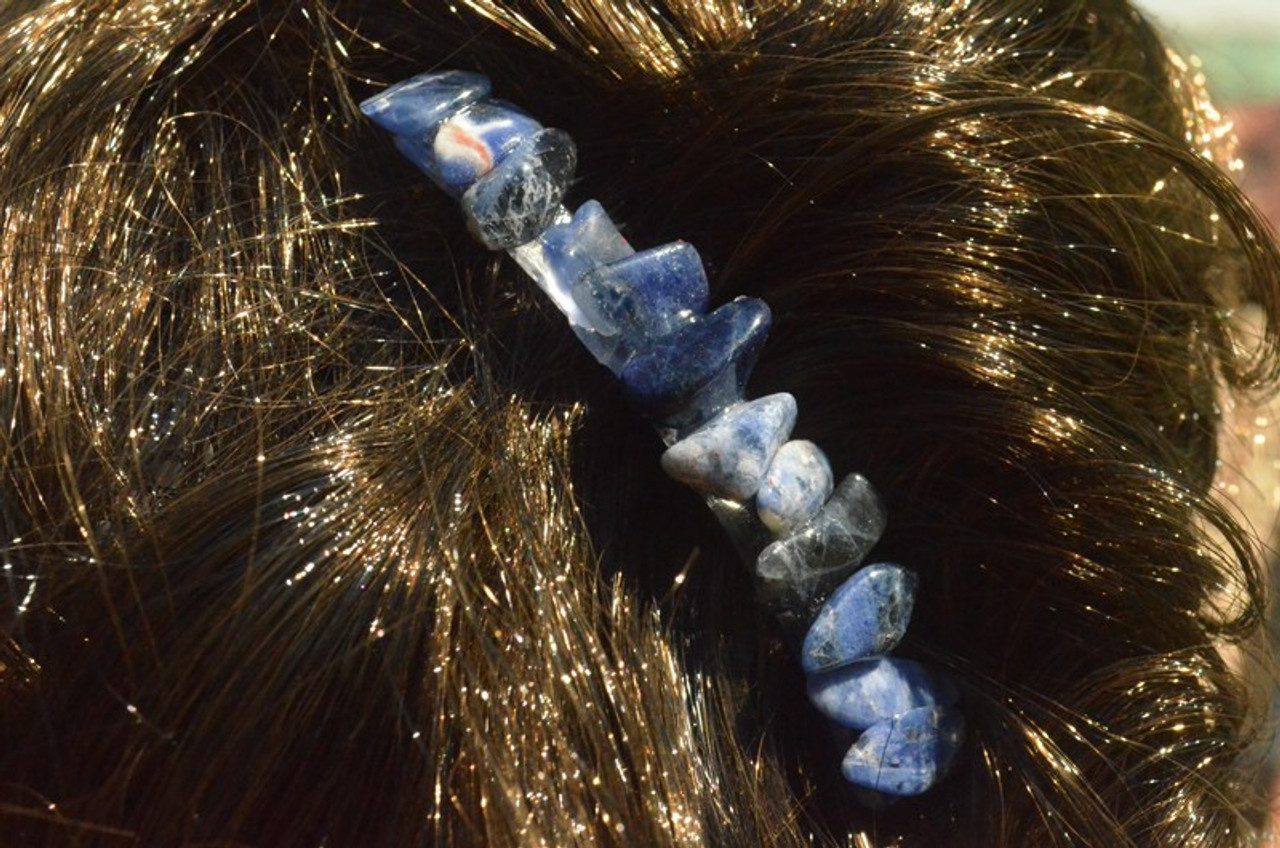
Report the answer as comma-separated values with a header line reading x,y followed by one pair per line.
x,y
646,317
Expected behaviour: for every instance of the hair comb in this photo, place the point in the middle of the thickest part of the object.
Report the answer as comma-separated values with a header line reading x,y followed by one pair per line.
x,y
645,316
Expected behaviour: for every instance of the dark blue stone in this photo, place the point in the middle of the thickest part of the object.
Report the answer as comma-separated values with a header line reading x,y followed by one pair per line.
x,y
795,574
416,107
419,153
519,199
861,694
646,295
689,375
478,139
907,754
867,616
729,456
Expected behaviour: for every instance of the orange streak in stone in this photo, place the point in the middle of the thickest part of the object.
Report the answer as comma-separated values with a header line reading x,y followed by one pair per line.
x,y
462,138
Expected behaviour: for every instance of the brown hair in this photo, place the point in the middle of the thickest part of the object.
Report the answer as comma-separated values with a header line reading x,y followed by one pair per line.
x,y
320,530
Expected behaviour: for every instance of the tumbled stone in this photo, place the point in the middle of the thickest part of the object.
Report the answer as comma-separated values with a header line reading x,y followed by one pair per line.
x,y
863,693
646,295
700,368
589,240
520,198
444,125
479,138
795,574
796,485
908,754
568,249
419,153
729,456
867,616
416,107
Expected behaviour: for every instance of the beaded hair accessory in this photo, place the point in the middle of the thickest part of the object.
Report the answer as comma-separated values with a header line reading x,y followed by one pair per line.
x,y
644,316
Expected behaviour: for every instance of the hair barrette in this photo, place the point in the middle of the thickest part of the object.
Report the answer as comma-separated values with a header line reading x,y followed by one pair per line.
x,y
644,316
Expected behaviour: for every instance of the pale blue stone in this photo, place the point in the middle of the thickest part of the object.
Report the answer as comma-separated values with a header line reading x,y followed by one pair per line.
x,y
688,376
908,754
796,485
795,574
416,107
646,295
587,241
518,200
867,616
574,243
728,456
477,140
561,255
861,694
564,252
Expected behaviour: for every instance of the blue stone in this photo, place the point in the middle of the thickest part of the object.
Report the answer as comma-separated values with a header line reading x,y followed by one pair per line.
x,y
795,487
477,140
609,351
519,199
589,240
795,574
416,107
646,295
867,616
729,456
861,694
566,251
908,754
687,376
419,153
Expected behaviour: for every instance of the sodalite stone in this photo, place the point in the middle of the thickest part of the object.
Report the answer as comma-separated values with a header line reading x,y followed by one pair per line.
x,y
867,616
646,295
519,199
415,107
444,124
587,241
728,457
908,754
419,153
474,141
642,315
687,376
795,574
861,694
795,487
568,249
